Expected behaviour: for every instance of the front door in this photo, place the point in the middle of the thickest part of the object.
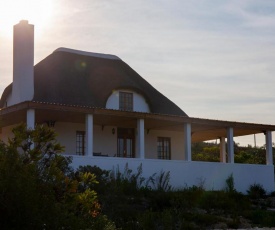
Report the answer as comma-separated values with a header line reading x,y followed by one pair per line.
x,y
125,142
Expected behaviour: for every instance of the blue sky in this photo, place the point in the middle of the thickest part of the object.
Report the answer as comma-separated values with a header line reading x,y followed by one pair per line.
x,y
215,59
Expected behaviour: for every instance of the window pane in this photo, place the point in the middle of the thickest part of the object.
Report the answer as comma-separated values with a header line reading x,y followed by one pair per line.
x,y
129,147
120,147
164,148
125,101
80,143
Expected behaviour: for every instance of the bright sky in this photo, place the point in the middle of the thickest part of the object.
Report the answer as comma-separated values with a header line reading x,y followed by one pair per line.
x,y
214,58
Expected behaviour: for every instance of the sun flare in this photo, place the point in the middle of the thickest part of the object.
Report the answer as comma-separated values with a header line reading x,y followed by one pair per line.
x,y
37,12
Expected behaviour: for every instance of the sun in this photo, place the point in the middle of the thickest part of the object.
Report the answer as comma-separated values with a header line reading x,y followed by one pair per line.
x,y
37,12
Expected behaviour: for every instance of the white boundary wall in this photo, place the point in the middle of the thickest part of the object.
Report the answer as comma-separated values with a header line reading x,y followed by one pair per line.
x,y
188,173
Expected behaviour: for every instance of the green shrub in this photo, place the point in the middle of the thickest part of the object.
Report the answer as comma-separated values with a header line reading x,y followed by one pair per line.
x,y
222,201
230,184
186,199
262,218
162,181
256,191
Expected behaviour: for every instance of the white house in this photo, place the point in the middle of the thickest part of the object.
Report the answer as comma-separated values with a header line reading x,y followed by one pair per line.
x,y
106,114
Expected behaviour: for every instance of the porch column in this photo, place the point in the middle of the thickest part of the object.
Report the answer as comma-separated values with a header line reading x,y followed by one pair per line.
x,y
230,145
268,142
187,141
89,135
30,118
222,150
140,125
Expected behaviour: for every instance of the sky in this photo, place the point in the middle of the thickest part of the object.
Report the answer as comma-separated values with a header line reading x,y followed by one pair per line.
x,y
214,58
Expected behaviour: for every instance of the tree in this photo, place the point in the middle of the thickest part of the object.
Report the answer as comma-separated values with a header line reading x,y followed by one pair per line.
x,y
203,151
39,189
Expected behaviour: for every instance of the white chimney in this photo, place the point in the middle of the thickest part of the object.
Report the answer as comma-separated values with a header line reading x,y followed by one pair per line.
x,y
23,60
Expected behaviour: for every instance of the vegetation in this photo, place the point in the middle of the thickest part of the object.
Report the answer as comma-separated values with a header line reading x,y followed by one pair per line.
x,y
204,151
256,191
130,202
39,190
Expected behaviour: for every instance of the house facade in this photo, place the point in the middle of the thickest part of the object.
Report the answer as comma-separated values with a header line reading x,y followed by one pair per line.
x,y
106,114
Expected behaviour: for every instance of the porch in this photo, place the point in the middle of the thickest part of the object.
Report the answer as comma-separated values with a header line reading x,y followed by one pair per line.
x,y
101,128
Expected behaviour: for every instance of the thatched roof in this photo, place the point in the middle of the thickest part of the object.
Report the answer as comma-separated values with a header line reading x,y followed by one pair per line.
x,y
81,78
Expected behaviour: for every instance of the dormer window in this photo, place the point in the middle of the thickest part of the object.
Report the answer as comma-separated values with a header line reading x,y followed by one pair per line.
x,y
126,101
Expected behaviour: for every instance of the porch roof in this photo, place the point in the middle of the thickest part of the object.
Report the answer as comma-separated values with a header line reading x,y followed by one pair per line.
x,y
202,129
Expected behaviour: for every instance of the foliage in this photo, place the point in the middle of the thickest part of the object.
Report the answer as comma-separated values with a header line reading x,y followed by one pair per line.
x,y
204,151
134,205
128,181
230,184
39,190
256,191
102,177
123,194
262,218
250,155
160,182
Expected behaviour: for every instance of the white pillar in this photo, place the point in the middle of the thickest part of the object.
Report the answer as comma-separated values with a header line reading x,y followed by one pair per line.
x,y
30,118
140,125
230,145
268,142
89,135
222,150
187,141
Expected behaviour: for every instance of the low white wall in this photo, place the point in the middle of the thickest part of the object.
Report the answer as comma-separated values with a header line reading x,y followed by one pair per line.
x,y
184,173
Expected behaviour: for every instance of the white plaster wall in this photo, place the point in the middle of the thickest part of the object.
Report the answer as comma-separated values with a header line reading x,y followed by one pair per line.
x,y
106,143
186,173
66,135
104,140
176,144
140,104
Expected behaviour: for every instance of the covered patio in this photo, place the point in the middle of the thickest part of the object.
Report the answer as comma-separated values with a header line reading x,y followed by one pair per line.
x,y
183,171
193,129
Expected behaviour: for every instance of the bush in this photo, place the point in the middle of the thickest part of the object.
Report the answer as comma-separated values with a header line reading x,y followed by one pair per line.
x,y
39,189
256,191
230,184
